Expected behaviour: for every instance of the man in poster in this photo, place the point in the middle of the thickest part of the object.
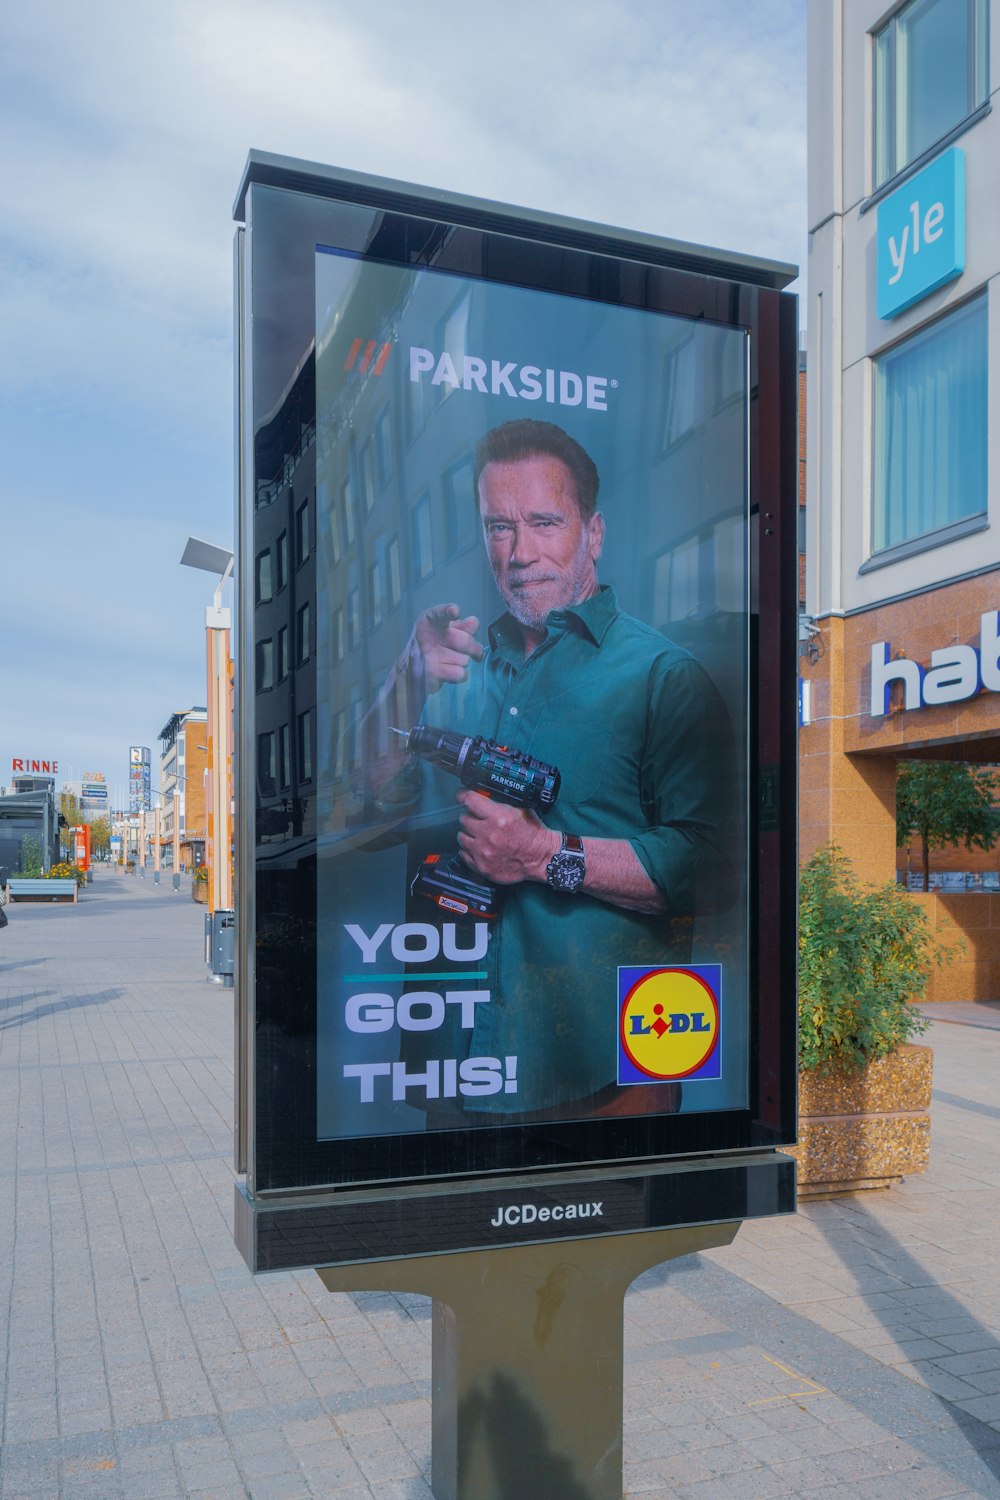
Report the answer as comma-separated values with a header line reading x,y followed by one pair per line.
x,y
636,844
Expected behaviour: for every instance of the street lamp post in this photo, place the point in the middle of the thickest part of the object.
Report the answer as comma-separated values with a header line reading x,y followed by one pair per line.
x,y
219,919
176,882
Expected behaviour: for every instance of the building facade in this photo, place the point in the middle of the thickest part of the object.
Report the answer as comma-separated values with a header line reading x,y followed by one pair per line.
x,y
901,640
183,787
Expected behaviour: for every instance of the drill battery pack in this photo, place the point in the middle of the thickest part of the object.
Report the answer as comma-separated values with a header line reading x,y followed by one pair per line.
x,y
447,880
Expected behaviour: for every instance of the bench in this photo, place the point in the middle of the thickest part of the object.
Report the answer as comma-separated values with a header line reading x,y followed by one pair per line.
x,y
25,888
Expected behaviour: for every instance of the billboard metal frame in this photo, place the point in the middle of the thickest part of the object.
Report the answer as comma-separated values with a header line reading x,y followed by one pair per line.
x,y
339,1201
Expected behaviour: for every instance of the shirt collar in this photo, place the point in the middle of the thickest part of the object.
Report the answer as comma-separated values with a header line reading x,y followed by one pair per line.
x,y
592,617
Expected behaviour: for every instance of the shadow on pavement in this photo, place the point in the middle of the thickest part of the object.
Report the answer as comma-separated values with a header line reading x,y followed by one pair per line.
x,y
39,1012
895,1261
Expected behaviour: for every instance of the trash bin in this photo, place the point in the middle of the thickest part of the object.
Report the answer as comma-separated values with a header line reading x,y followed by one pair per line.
x,y
220,944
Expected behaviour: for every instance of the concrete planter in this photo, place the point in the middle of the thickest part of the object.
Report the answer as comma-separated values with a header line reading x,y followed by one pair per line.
x,y
867,1129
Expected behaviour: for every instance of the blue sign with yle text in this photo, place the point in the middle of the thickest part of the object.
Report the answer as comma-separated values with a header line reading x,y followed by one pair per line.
x,y
921,234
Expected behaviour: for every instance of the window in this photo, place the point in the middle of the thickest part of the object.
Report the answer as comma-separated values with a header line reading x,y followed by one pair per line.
x,y
930,429
463,512
383,446
302,532
265,764
305,754
264,588
347,510
265,666
283,662
682,390
281,557
355,715
393,563
284,756
930,73
303,644
376,582
337,643
353,607
367,475
423,551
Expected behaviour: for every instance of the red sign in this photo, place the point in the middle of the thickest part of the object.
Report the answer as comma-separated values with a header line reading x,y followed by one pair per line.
x,y
81,846
37,767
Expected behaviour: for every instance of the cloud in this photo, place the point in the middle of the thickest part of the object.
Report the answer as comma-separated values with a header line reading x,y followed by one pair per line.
x,y
126,129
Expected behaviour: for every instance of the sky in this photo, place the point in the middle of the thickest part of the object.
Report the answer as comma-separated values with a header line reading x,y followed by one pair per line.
x,y
125,129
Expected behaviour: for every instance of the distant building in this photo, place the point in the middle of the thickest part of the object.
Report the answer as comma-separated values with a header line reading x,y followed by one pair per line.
x,y
183,775
91,791
28,812
901,646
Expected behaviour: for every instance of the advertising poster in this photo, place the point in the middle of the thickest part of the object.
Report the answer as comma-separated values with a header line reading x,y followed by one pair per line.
x,y
532,654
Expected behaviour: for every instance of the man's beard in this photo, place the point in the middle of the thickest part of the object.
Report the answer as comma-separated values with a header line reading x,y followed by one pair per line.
x,y
532,609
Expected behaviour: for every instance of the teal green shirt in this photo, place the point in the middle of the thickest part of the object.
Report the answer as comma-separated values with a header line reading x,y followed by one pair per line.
x,y
641,739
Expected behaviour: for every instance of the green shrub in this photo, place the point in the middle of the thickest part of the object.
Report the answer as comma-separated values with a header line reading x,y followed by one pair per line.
x,y
30,858
865,958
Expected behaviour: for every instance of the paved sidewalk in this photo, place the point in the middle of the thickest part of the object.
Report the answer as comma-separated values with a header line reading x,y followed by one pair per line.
x,y
851,1351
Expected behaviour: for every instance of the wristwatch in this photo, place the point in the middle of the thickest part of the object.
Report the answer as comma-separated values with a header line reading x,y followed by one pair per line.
x,y
567,868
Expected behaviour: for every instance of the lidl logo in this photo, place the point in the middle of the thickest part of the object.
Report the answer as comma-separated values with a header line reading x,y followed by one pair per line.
x,y
669,1023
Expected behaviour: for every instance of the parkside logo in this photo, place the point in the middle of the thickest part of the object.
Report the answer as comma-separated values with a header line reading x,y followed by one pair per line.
x,y
369,359
955,672
496,377
490,377
527,1213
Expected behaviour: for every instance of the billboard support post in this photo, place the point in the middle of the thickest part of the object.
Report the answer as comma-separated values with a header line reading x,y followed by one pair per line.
x,y
529,1403
509,1051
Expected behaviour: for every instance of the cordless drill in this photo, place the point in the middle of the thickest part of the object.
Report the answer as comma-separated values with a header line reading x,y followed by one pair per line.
x,y
492,770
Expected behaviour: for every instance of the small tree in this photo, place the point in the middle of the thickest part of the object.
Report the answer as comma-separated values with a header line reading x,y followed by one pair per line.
x,y
945,803
100,835
865,959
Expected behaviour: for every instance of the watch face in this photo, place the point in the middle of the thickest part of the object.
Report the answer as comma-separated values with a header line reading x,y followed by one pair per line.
x,y
565,871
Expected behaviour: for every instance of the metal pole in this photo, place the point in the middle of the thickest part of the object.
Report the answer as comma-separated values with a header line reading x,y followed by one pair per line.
x,y
156,847
527,1358
219,840
140,856
177,841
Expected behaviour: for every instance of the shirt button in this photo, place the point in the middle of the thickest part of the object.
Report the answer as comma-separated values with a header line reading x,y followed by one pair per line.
x,y
514,712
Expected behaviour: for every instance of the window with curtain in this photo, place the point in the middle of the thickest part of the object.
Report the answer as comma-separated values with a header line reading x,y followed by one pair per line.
x,y
930,73
930,437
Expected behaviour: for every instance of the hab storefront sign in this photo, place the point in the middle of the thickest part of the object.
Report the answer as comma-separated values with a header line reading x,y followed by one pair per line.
x,y
954,674
498,521
921,234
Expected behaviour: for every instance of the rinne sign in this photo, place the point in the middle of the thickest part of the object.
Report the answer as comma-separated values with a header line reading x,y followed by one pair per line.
x,y
955,672
27,766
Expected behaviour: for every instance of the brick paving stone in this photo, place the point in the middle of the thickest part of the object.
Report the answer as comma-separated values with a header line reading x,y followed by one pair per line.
x,y
143,1361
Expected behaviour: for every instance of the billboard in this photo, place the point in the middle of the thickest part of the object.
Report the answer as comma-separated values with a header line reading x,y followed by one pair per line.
x,y
517,594
551,647
139,796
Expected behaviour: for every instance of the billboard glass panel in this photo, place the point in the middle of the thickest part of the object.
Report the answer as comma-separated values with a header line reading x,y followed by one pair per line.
x,y
515,765
599,639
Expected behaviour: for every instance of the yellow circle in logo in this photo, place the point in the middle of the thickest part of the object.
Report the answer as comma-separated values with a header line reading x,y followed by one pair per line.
x,y
669,1023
